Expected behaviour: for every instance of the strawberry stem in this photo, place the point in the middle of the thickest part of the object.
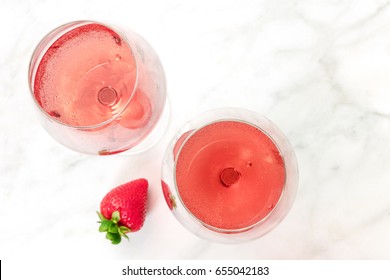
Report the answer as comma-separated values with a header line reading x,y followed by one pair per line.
x,y
173,201
114,232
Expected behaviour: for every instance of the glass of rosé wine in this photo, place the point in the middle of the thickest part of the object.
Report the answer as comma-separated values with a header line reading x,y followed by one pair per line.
x,y
229,175
99,90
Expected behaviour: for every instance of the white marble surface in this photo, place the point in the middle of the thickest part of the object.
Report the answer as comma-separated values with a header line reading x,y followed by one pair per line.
x,y
319,69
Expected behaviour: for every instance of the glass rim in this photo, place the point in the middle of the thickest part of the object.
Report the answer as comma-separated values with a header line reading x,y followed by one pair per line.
x,y
237,119
47,41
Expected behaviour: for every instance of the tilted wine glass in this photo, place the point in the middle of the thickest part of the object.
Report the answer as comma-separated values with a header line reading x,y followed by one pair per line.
x,y
99,89
229,175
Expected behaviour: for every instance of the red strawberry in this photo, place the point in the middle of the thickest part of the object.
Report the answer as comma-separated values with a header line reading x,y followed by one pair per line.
x,y
169,198
123,210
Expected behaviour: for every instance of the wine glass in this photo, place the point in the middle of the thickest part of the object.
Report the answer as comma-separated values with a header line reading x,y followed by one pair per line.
x,y
229,175
99,90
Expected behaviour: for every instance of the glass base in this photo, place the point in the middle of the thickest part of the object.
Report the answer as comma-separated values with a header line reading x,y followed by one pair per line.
x,y
155,136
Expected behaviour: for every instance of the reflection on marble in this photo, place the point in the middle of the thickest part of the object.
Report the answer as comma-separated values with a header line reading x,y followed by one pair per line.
x,y
318,69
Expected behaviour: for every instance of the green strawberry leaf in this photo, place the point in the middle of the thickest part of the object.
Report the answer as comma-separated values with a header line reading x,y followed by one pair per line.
x,y
113,228
104,226
115,217
124,229
102,218
117,239
113,237
114,232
